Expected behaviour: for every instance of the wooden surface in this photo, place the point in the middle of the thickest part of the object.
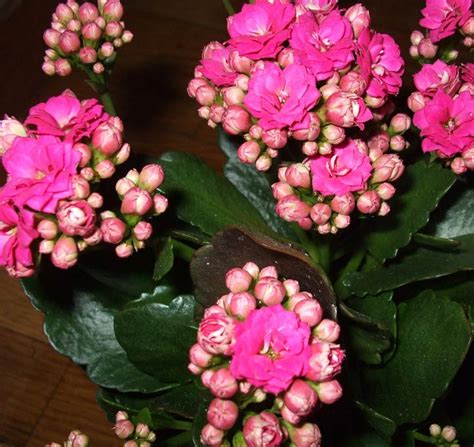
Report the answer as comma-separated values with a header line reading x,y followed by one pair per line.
x,y
42,394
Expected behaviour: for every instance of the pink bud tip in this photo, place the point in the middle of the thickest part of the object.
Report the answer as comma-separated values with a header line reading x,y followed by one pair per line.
x,y
91,32
199,357
252,268
300,398
236,120
328,331
275,138
448,433
113,230
51,38
329,392
121,416
136,201
105,169
142,231
88,12
127,36
223,384
98,68
298,176
238,280
249,152
292,209
48,68
69,42
306,435
64,254
95,200
269,272
369,202
124,428
151,177
124,250
222,414
62,67
241,304
309,311
47,229
270,291
160,204
212,436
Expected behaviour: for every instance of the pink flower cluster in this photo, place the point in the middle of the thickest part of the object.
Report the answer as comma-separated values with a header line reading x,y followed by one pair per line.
x,y
55,161
85,34
443,102
266,342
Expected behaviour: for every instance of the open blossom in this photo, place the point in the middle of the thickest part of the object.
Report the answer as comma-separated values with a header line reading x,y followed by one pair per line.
x,y
66,117
442,17
433,77
215,334
259,30
381,64
345,170
271,349
323,47
281,98
317,7
215,65
41,172
447,123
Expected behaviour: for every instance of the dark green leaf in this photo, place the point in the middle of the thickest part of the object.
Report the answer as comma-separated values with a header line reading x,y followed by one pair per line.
x,y
252,184
422,263
433,338
419,192
183,401
157,337
143,417
381,424
203,198
200,420
164,259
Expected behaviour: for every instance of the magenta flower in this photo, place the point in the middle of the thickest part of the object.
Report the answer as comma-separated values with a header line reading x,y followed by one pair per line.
x,y
447,123
378,56
442,17
271,349
323,47
281,98
64,116
259,30
467,73
17,232
434,77
345,170
40,171
215,65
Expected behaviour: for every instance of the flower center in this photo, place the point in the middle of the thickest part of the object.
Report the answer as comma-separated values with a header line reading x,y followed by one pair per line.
x,y
450,126
335,168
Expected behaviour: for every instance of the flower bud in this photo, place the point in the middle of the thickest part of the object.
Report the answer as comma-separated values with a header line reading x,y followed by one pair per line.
x,y
233,96
286,57
292,209
98,68
416,37
353,82
131,443
270,291
263,163
327,330
223,384
252,269
114,30
69,42
300,398
369,202
306,435
194,84
77,439
343,204
216,112
46,247
107,138
212,436
124,250
400,123
74,25
127,36
238,280
47,229
269,272
124,428
289,416
298,176
448,433
151,177
398,143
275,138
105,169
51,38
136,201
386,191
113,10
435,430
64,254
113,230
468,158
329,392
236,120
342,221
333,134
241,304
142,430
427,48
206,95
199,357
388,167
48,68
291,286
106,50
76,218
265,423
222,414
122,155
62,67
142,231
123,185
309,311
64,13
281,189
248,152
91,32
359,17
87,55
458,166
88,12
88,173
160,204
416,101
94,239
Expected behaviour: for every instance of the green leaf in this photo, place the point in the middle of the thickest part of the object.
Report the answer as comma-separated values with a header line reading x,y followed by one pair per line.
x,y
164,259
203,198
433,339
380,423
422,263
200,420
419,192
157,337
252,184
79,312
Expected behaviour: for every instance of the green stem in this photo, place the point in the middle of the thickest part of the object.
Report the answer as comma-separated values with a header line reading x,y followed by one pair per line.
x,y
106,100
424,438
181,439
228,7
183,251
306,243
181,425
323,246
352,265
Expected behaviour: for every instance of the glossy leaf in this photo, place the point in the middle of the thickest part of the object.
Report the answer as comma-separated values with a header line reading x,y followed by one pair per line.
x,y
157,337
433,338
200,420
164,259
380,423
420,264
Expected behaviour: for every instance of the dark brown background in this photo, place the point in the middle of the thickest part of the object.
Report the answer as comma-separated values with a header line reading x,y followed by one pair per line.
x,y
42,394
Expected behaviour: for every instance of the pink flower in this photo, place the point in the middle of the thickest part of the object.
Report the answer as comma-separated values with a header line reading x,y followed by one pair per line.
x,y
346,170
281,98
10,128
381,64
215,65
323,47
307,435
66,117
263,430
467,73
216,333
40,171
446,123
434,77
17,232
347,110
359,17
271,349
442,17
259,30
325,362
317,7
76,218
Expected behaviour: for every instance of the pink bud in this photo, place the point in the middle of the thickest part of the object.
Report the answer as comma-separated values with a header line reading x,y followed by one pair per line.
x,y
298,176
458,166
468,158
194,84
320,213
270,291
353,82
113,10
236,120
386,191
206,95
86,154
359,17
325,361
76,218
46,247
47,229
131,443
216,113
289,416
369,202
384,209
241,304
223,384
94,239
342,221
306,435
106,50
334,134
51,38
194,369
398,143
286,57
105,169
77,439
88,174
255,132
251,268
127,36
233,96
427,48
91,31
380,141
275,138
74,25
151,177
123,186
142,231
80,187
160,204
136,201
313,130
259,427
269,272
64,255
400,123
87,55
328,331
281,189
329,392
122,155
88,12
199,357
343,204
387,167
300,398
416,37
206,377
222,414
239,63
416,101
62,67
121,416
113,230
64,13
204,112
107,138
212,436
69,42
328,90
114,30
238,280
48,68
291,286
124,250
263,163
309,311
292,209
242,81
448,433
142,430
248,152
124,428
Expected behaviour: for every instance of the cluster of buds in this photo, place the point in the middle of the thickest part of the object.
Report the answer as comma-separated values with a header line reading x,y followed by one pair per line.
x,y
266,343
84,34
324,191
443,102
51,204
75,439
138,435
444,437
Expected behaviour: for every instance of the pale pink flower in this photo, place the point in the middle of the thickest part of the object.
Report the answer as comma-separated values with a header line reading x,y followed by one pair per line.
x,y
323,47
433,77
271,349
347,110
325,362
259,30
345,170
359,17
76,218
215,65
307,435
442,17
281,98
317,7
263,430
446,123
216,333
